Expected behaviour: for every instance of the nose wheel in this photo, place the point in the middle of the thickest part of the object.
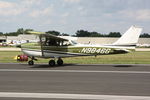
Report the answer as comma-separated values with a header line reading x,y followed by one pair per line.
x,y
31,62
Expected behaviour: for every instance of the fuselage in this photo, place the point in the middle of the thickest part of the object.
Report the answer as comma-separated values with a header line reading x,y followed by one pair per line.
x,y
36,50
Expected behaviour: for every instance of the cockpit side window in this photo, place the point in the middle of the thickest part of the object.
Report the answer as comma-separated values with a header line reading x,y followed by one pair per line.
x,y
48,41
52,42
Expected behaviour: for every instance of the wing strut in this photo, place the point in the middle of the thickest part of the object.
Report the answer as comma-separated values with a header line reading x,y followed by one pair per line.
x,y
41,45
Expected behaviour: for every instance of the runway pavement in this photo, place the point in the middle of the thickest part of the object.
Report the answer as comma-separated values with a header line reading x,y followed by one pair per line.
x,y
74,82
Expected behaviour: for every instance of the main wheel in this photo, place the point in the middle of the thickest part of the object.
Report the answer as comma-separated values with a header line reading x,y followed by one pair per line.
x,y
60,62
31,62
52,63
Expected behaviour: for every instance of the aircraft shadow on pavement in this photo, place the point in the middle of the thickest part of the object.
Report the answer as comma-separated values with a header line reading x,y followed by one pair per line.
x,y
64,65
69,65
47,66
123,66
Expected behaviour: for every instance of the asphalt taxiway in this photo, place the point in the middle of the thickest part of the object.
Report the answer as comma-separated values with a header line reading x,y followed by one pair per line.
x,y
108,82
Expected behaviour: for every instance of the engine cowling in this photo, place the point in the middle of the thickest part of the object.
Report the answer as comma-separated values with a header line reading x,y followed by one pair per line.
x,y
22,58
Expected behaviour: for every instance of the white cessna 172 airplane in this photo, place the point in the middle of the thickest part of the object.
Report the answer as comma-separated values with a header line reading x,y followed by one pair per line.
x,y
55,47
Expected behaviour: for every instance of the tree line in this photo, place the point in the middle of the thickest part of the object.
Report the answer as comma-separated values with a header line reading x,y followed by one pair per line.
x,y
79,33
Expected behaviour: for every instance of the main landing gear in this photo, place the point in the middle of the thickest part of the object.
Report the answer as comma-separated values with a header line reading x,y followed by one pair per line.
x,y
51,62
59,62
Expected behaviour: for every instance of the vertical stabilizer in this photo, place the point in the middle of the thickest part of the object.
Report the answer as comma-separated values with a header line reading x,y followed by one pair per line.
x,y
130,37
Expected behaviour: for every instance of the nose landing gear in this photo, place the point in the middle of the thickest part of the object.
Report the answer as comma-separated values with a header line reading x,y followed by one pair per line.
x,y
31,62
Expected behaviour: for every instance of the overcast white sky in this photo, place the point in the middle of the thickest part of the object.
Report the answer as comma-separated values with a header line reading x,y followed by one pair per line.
x,y
68,16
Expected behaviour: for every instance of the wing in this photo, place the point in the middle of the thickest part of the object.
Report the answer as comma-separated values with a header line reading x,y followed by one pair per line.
x,y
43,35
50,36
53,37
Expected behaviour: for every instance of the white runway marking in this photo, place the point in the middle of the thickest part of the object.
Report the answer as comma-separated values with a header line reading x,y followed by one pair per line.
x,y
71,96
73,71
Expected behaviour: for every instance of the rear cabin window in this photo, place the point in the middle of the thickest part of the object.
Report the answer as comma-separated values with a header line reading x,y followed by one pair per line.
x,y
55,42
